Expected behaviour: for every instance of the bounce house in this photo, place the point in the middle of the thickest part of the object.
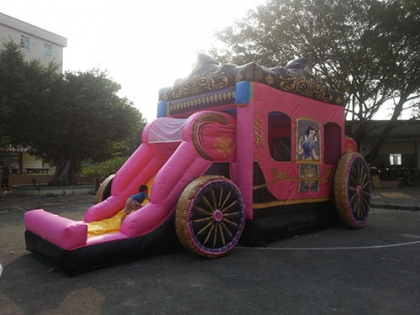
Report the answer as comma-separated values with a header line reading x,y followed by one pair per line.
x,y
237,154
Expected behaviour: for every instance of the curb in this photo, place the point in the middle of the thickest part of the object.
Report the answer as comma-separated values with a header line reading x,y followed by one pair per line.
x,y
395,207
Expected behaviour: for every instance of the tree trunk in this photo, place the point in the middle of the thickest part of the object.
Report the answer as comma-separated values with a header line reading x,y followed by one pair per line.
x,y
375,150
383,136
64,174
360,133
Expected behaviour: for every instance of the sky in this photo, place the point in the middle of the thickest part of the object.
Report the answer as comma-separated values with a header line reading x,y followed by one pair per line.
x,y
144,45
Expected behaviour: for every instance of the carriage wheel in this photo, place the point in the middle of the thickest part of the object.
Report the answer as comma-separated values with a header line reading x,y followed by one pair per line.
x,y
210,216
104,190
352,190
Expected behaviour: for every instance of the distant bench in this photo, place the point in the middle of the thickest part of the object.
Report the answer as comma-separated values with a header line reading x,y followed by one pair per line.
x,y
37,170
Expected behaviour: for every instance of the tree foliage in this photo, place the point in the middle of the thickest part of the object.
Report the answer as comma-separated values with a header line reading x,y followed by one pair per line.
x,y
365,48
65,119
104,169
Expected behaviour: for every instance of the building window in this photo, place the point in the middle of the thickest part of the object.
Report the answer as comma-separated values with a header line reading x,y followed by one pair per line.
x,y
47,50
395,159
25,42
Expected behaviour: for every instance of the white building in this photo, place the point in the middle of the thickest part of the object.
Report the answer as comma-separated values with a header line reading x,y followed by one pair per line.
x,y
36,43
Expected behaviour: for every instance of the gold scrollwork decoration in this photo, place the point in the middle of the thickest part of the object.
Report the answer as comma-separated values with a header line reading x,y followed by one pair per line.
x,y
278,174
258,132
269,79
198,83
199,123
329,173
305,86
223,145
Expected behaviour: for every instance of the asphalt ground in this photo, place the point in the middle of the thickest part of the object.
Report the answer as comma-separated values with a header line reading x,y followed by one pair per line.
x,y
375,270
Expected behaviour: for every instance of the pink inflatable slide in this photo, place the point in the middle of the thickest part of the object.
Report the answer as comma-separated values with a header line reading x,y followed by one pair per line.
x,y
167,160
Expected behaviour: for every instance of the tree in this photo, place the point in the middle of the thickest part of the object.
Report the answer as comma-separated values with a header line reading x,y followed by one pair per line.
x,y
19,80
365,48
67,119
15,77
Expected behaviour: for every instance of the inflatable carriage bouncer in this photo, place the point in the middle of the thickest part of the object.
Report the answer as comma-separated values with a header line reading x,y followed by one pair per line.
x,y
237,153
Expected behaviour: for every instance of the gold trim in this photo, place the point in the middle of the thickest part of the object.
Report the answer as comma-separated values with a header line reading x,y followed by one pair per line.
x,y
290,179
329,172
258,133
224,145
198,83
279,174
204,100
287,202
256,158
208,117
305,86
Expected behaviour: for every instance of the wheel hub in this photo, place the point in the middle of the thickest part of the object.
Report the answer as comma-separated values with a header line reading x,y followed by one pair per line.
x,y
217,215
359,189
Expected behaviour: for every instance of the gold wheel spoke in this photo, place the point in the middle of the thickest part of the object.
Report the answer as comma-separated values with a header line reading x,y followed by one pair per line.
x,y
222,235
359,173
202,219
353,197
365,184
362,172
208,203
353,177
205,227
215,235
214,199
364,200
226,229
230,206
356,208
208,235
226,199
219,205
364,177
230,222
231,214
361,207
204,211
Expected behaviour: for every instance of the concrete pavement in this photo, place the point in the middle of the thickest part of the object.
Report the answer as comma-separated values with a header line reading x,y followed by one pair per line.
x,y
375,270
407,198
